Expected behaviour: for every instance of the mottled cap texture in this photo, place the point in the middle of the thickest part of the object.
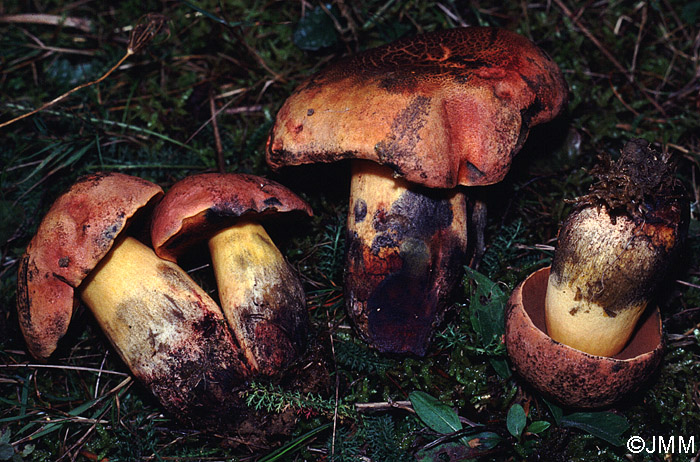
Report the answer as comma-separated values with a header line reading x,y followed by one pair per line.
x,y
76,233
198,206
569,376
443,108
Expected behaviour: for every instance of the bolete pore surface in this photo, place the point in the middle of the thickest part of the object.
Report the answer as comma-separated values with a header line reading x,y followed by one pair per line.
x,y
168,331
420,116
261,295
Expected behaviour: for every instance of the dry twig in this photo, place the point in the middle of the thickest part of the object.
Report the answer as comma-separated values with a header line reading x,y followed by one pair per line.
x,y
140,36
82,24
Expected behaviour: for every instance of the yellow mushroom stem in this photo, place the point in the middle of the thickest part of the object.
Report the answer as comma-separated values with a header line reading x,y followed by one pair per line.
x,y
584,325
602,278
405,250
261,296
165,327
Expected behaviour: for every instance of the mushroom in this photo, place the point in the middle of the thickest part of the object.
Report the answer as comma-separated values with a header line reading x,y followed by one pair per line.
x,y
167,330
419,116
583,331
260,293
614,249
569,376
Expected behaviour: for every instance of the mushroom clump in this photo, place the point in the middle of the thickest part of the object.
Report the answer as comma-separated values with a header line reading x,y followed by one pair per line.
x,y
418,118
170,333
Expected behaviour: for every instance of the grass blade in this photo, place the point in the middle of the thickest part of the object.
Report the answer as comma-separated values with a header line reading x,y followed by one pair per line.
x,y
293,445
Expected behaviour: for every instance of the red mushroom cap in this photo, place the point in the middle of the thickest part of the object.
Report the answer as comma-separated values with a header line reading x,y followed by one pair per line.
x,y
76,233
198,206
444,108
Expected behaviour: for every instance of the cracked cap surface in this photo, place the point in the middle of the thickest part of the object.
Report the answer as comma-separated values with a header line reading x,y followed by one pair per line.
x,y
444,108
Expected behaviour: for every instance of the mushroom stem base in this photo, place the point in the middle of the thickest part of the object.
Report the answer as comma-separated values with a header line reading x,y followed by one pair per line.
x,y
168,331
405,249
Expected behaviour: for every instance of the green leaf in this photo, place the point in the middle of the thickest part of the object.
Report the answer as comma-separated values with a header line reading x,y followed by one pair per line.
x,y
501,367
473,446
557,412
516,420
538,426
315,30
448,451
436,415
487,440
604,425
28,449
487,310
6,451
486,306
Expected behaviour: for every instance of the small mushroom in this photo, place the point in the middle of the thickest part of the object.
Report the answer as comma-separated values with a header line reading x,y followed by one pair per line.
x,y
569,376
419,116
168,331
260,293
614,249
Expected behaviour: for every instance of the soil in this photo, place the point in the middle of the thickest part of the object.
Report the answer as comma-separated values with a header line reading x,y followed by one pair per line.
x,y
640,181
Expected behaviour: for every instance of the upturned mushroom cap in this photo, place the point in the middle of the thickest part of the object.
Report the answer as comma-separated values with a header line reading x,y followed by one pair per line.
x,y
569,376
444,108
198,206
76,233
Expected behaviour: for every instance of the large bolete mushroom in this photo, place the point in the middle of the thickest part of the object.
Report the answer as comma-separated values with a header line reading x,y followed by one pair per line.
x,y
260,293
420,116
168,331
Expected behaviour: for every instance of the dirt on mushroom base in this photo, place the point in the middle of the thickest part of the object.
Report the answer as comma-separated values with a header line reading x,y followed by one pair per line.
x,y
635,185
635,205
263,429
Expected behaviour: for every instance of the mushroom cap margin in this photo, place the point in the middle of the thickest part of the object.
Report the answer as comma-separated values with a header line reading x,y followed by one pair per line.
x,y
74,235
198,206
444,108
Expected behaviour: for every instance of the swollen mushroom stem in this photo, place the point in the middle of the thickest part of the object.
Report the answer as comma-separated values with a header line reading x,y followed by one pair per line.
x,y
404,254
258,289
613,250
261,295
439,110
166,328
